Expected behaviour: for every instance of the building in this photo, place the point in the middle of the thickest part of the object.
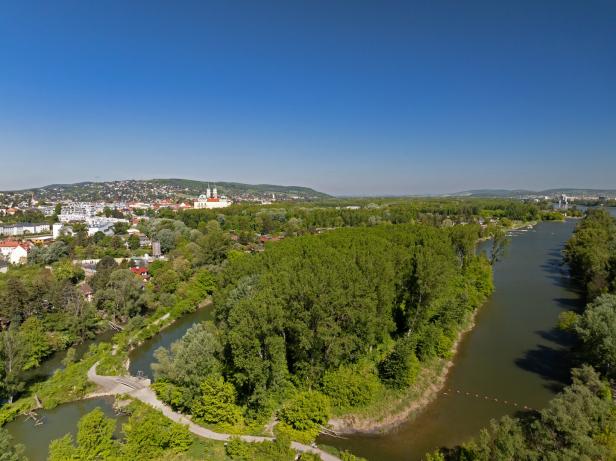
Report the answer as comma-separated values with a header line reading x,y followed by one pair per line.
x,y
211,200
87,291
156,249
77,211
24,228
141,272
14,252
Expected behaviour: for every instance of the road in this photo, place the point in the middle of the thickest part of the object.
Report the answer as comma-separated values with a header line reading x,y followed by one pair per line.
x,y
140,389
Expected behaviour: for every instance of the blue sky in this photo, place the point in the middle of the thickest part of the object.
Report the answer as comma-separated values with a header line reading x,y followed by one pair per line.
x,y
349,97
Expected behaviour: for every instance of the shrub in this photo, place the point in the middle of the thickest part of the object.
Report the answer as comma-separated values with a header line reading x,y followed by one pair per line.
x,y
306,411
216,405
401,367
350,386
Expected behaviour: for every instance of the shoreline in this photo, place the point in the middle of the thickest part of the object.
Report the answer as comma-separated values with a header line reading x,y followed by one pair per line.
x,y
356,424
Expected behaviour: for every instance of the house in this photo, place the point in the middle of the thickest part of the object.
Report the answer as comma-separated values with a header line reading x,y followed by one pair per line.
x,y
87,291
141,272
144,241
14,252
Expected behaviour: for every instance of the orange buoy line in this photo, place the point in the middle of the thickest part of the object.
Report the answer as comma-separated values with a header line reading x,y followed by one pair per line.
x,y
485,397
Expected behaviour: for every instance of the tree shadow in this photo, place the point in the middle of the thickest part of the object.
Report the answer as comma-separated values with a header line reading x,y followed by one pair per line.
x,y
552,364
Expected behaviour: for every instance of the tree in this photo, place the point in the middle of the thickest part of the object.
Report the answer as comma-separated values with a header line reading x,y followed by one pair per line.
x,y
499,244
350,386
66,270
216,405
13,361
133,242
121,297
307,410
95,436
149,435
63,449
9,451
120,227
167,240
192,358
33,339
401,367
596,328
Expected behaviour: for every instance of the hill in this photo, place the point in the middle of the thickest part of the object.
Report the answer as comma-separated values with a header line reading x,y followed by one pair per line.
x,y
156,189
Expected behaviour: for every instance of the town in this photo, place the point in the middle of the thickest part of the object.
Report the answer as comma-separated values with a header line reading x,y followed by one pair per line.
x,y
34,222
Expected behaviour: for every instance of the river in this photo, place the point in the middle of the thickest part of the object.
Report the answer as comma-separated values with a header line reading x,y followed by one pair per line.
x,y
63,419
514,353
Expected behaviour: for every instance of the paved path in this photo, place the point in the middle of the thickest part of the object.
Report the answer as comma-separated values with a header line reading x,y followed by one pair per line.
x,y
140,390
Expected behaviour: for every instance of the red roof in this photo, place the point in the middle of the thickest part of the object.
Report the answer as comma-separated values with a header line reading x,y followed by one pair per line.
x,y
139,270
213,199
9,244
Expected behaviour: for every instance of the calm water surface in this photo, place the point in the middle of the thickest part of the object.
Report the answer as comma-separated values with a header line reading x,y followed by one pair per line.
x,y
63,419
514,352
142,357
56,423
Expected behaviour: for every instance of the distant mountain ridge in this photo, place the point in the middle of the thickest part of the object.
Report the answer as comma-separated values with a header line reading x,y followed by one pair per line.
x,y
507,193
152,189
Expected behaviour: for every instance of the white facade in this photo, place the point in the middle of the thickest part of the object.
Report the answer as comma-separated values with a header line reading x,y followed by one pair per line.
x,y
24,228
211,200
13,254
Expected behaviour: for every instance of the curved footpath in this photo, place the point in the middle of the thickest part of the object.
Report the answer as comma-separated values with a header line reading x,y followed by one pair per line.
x,y
140,390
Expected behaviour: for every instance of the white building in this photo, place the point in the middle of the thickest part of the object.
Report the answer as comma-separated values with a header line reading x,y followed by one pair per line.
x,y
77,211
14,252
211,200
24,228
95,224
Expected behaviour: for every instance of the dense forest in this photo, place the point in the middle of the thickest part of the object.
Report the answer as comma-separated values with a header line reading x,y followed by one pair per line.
x,y
580,422
329,321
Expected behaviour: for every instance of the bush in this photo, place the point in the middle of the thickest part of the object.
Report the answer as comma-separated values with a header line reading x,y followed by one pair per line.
x,y
350,386
180,398
306,411
149,434
217,403
401,367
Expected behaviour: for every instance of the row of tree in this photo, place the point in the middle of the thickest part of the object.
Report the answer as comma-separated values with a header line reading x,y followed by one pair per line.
x,y
591,253
293,218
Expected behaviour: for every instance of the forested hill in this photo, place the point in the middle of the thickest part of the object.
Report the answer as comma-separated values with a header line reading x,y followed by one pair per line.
x,y
152,189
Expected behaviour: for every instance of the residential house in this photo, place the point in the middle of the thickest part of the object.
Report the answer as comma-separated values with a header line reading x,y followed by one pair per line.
x,y
14,252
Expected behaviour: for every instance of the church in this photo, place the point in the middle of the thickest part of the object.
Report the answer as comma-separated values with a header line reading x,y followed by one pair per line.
x,y
211,200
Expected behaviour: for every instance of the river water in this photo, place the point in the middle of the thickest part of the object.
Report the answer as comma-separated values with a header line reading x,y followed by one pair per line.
x,y
63,419
56,423
514,353
143,356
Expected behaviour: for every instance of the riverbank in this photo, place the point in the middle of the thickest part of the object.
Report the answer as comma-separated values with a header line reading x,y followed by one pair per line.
x,y
395,409
513,354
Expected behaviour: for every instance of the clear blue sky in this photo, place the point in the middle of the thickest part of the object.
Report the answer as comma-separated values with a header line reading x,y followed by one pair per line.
x,y
349,97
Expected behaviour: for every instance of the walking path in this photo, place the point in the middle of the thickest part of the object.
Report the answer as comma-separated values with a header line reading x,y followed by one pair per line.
x,y
140,390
